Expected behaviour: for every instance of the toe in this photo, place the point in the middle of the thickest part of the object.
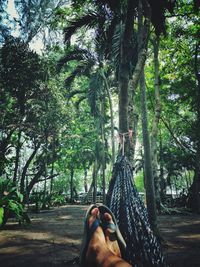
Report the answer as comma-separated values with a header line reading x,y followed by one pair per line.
x,y
108,224
107,217
94,214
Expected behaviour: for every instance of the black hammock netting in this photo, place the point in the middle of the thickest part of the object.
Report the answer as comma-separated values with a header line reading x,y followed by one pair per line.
x,y
143,248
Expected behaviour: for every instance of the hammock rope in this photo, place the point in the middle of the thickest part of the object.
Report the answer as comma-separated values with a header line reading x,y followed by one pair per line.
x,y
143,248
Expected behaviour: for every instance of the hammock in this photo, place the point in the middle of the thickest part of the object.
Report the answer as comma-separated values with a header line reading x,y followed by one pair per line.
x,y
143,249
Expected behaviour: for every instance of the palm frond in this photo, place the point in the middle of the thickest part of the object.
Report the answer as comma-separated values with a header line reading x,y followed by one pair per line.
x,y
115,52
76,54
82,69
94,93
64,60
110,33
75,92
88,20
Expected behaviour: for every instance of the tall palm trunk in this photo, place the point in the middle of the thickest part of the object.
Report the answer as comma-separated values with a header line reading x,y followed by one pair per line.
x,y
107,88
133,124
143,34
154,132
124,72
103,164
149,182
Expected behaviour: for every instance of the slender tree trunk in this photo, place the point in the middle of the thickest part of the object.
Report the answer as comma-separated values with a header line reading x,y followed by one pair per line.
x,y
25,169
51,183
45,188
133,124
71,185
89,193
111,116
143,32
103,149
154,132
94,179
45,166
162,180
194,195
85,181
17,157
149,182
34,180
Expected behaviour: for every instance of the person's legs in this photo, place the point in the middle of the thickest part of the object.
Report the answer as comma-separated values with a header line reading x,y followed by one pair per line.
x,y
102,251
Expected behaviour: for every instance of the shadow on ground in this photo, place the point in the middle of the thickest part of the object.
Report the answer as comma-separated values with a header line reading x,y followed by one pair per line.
x,y
53,239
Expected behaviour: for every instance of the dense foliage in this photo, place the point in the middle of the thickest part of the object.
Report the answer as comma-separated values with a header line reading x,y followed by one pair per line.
x,y
59,108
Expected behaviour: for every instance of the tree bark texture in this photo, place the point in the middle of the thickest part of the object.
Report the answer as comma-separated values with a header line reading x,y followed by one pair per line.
x,y
34,180
103,163
111,115
149,181
133,123
85,182
143,34
71,185
25,169
17,157
94,180
124,72
156,119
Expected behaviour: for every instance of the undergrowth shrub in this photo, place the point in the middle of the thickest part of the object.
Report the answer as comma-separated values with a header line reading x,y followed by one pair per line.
x,y
11,203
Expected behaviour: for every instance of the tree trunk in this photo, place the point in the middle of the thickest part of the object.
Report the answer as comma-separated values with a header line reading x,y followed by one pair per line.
x,y
34,180
111,116
143,32
103,149
18,147
162,180
156,119
25,169
51,183
94,180
194,195
149,182
133,124
124,73
71,185
85,181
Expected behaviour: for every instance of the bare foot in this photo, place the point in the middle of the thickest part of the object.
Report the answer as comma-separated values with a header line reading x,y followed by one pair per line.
x,y
103,250
110,235
97,244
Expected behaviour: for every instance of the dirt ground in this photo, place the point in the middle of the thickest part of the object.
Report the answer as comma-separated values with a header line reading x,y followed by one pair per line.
x,y
53,239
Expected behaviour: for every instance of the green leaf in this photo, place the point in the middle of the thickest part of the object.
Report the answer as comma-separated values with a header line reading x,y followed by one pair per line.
x,y
20,196
1,215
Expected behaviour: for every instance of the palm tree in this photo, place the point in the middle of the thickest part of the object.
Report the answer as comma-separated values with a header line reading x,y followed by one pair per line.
x,y
116,37
96,92
113,22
